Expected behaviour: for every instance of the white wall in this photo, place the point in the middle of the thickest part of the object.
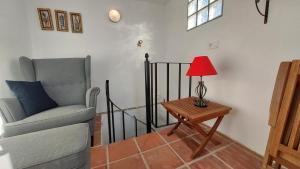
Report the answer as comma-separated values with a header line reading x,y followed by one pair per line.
x,y
115,55
14,41
247,59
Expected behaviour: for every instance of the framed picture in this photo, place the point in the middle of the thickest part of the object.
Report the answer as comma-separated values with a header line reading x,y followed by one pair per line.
x,y
45,18
76,22
61,20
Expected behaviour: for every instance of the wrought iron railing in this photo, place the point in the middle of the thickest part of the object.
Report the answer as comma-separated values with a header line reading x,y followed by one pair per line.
x,y
151,86
151,98
112,108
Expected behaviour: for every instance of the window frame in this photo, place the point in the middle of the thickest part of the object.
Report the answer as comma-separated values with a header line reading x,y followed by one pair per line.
x,y
198,11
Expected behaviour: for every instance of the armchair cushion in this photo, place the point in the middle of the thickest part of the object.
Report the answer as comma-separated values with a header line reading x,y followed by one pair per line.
x,y
59,148
57,117
32,96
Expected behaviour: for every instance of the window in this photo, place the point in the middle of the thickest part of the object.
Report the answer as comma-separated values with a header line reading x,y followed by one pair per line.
x,y
202,11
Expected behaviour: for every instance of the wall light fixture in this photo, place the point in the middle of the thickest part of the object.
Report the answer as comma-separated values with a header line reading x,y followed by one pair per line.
x,y
266,14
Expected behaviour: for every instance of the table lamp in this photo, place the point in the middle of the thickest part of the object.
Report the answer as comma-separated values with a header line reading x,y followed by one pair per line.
x,y
201,66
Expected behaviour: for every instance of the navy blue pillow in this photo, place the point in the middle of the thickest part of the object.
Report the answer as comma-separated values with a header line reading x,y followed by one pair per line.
x,y
32,96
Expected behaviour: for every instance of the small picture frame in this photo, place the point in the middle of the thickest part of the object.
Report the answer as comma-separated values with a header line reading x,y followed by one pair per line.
x,y
76,22
45,18
61,21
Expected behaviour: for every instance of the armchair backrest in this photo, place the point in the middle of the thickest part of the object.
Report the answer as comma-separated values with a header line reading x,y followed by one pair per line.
x,y
66,80
11,110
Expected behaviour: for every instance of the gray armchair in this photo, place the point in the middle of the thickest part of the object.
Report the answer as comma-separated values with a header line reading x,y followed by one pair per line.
x,y
68,82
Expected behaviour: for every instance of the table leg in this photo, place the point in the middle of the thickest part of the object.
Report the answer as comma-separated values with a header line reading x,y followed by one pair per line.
x,y
204,134
200,130
173,129
210,134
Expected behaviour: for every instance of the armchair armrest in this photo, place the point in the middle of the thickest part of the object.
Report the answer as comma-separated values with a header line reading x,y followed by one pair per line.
x,y
48,148
91,96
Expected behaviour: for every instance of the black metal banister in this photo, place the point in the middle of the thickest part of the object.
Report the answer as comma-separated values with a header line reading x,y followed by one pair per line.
x,y
179,80
111,118
147,93
151,98
168,90
151,95
155,95
121,110
113,122
123,125
108,109
154,87
172,63
190,85
135,124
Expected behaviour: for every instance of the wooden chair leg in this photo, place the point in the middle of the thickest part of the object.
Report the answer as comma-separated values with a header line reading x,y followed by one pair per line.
x,y
267,158
277,166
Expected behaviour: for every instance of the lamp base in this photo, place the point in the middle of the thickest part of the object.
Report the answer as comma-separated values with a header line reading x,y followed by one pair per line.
x,y
200,103
201,91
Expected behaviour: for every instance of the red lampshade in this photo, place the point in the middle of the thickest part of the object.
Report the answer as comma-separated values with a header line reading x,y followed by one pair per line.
x,y
201,66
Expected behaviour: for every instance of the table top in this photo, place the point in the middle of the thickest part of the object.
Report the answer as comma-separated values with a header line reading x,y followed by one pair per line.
x,y
186,108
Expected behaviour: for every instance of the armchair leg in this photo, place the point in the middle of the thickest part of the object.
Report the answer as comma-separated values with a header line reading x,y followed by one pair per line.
x,y
92,141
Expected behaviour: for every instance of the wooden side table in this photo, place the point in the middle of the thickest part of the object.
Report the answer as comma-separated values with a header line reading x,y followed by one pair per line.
x,y
190,115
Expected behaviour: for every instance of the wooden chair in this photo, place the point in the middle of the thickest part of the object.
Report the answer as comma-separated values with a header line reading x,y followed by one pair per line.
x,y
283,147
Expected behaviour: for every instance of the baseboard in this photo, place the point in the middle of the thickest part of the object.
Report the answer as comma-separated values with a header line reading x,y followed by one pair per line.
x,y
258,156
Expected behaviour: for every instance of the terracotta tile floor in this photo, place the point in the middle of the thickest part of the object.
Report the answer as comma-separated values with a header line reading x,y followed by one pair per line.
x,y
97,131
158,151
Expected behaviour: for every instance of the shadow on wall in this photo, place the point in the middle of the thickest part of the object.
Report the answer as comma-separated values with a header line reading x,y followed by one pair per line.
x,y
224,65
9,71
124,66
134,33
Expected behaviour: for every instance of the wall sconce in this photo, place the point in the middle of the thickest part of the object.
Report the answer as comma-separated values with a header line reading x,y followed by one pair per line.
x,y
266,15
114,15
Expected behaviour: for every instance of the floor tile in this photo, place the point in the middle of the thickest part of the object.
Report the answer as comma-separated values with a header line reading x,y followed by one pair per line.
x,y
162,158
134,162
183,168
149,141
97,126
97,138
178,134
209,162
237,157
122,149
185,148
101,167
97,123
98,117
98,156
221,141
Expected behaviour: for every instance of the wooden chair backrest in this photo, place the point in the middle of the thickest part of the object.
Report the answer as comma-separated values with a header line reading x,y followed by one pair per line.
x,y
283,145
278,91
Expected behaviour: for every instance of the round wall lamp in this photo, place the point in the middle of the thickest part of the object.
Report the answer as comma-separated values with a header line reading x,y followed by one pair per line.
x,y
114,15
